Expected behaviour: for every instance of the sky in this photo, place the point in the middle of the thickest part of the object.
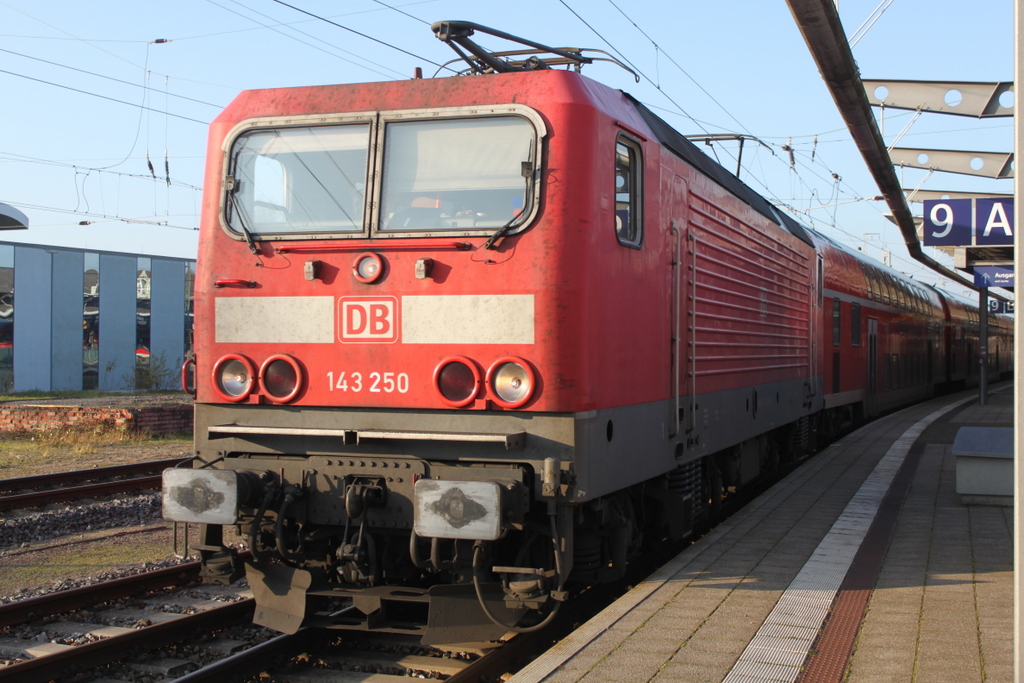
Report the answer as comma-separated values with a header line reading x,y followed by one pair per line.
x,y
106,103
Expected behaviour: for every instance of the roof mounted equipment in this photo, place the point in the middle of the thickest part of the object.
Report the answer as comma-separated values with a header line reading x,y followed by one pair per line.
x,y
482,61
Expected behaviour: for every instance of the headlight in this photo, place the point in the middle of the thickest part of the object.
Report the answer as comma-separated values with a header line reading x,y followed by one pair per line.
x,y
462,509
368,267
281,378
457,380
512,381
234,377
207,496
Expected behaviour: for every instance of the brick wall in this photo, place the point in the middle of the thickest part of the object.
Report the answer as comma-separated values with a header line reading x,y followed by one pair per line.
x,y
39,418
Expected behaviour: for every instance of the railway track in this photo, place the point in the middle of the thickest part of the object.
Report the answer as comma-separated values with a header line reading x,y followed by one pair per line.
x,y
62,635
61,487
109,620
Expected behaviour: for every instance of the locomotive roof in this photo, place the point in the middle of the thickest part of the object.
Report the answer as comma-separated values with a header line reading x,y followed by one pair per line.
x,y
679,145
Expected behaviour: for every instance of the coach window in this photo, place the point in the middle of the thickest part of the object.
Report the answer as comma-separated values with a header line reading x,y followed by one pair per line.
x,y
628,192
836,309
901,292
883,288
876,285
869,277
855,325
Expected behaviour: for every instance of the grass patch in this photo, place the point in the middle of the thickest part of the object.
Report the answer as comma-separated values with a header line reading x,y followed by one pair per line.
x,y
97,445
90,555
86,438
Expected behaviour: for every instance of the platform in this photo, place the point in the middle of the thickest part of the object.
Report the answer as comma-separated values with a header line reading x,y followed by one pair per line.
x,y
862,563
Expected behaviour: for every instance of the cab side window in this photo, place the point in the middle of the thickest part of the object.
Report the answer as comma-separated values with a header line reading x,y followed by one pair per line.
x,y
628,192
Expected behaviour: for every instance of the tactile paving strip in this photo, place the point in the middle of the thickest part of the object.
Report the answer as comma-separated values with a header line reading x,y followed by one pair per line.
x,y
810,595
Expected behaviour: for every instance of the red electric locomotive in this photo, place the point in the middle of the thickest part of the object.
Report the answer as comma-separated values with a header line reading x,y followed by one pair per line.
x,y
463,342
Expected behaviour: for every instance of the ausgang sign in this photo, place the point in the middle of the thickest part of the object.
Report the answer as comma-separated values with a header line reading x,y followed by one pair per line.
x,y
968,222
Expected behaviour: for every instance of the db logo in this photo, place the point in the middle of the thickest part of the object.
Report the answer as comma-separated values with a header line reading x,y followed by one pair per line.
x,y
364,319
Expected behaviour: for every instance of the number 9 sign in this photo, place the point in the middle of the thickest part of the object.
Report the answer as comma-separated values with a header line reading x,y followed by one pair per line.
x,y
947,222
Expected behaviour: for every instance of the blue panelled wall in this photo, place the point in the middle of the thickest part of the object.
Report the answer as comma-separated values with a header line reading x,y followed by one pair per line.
x,y
73,319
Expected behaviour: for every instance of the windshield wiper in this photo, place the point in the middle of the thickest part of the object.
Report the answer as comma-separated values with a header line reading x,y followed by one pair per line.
x,y
527,171
241,223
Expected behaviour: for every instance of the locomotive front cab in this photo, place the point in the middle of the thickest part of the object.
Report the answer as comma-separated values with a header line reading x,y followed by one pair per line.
x,y
363,373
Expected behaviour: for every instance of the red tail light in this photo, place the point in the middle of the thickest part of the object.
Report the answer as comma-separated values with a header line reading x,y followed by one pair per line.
x,y
281,378
457,380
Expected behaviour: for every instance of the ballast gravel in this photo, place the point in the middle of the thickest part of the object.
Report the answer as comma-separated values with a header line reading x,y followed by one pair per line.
x,y
119,512
68,584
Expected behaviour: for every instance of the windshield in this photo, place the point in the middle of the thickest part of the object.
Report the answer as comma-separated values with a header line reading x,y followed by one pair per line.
x,y
455,174
299,180
432,175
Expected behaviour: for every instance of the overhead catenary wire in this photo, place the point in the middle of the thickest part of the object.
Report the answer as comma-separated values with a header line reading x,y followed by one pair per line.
x,y
657,86
359,33
109,78
274,28
21,158
681,69
395,9
103,97
122,219
863,29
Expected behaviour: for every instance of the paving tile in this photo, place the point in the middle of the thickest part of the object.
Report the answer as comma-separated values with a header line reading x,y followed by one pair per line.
x,y
998,673
629,672
650,646
691,673
563,676
691,655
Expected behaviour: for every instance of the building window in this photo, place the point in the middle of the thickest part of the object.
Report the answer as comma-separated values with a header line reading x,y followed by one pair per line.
x,y
190,286
855,325
628,192
6,319
91,323
143,288
836,309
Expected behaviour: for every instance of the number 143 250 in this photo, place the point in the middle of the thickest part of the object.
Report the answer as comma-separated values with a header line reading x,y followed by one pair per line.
x,y
373,382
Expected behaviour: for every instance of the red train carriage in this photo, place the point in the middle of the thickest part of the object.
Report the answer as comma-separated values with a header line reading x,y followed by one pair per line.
x,y
464,342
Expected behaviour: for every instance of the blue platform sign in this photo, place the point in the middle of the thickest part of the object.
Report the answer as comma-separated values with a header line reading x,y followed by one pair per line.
x,y
1000,306
993,276
994,222
968,222
948,222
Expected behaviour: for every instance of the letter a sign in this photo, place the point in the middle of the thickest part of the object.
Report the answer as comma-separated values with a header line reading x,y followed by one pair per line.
x,y
995,222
